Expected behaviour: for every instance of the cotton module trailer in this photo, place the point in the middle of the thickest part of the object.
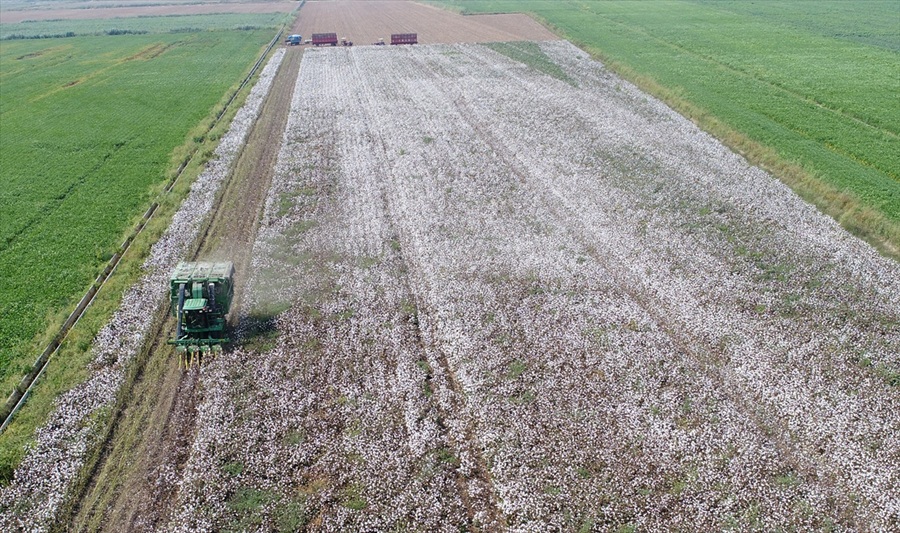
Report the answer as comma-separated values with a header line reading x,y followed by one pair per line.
x,y
201,295
404,38
319,39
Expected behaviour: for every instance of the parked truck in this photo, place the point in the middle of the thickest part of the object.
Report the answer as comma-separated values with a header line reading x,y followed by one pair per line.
x,y
318,39
293,40
404,38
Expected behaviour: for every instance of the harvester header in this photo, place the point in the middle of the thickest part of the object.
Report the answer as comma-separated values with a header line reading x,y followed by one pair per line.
x,y
201,294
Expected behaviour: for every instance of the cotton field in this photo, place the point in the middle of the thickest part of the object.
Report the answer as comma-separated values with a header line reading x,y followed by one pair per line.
x,y
497,296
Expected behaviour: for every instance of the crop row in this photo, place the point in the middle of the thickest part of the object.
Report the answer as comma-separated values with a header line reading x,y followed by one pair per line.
x,y
491,295
43,479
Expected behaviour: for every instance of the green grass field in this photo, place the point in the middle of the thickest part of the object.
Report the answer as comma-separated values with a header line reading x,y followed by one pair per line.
x,y
808,89
140,25
91,129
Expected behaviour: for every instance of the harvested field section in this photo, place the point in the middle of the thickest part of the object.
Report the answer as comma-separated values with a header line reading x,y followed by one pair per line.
x,y
366,22
519,294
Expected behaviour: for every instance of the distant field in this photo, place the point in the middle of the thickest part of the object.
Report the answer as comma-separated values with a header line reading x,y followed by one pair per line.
x,y
90,125
19,11
814,81
139,25
366,22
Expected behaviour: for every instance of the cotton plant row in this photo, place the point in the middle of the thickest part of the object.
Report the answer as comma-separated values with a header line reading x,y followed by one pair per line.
x,y
526,506
637,258
799,315
313,420
511,302
43,478
342,389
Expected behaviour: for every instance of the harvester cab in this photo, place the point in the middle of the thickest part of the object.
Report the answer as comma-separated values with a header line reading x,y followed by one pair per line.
x,y
201,294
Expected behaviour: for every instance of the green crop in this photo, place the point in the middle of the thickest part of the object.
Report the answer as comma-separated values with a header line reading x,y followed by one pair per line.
x,y
36,29
89,130
815,82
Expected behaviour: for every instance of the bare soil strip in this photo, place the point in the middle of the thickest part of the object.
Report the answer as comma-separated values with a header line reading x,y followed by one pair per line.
x,y
366,22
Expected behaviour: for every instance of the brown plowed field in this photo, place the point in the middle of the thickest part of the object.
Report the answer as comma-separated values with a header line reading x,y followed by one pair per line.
x,y
9,17
366,22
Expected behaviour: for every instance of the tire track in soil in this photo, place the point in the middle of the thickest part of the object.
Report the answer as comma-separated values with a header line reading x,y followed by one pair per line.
x,y
477,490
135,482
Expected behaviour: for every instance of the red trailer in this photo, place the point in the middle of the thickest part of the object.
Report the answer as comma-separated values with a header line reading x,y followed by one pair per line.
x,y
324,38
404,38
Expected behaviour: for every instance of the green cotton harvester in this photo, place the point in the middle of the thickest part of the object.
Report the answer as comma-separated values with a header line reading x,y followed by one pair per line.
x,y
201,295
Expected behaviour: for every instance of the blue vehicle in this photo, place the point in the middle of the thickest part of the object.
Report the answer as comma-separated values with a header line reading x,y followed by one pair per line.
x,y
294,39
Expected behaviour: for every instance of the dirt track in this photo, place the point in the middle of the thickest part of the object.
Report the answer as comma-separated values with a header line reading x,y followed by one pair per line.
x,y
133,487
366,22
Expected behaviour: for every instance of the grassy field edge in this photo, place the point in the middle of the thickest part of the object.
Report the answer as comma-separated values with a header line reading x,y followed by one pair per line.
x,y
852,213
846,208
75,350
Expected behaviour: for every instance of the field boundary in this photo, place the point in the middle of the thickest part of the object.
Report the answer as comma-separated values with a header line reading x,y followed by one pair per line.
x,y
844,207
154,340
133,373
22,391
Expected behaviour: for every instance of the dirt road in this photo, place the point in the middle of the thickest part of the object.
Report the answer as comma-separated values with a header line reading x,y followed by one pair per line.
x,y
366,22
132,487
